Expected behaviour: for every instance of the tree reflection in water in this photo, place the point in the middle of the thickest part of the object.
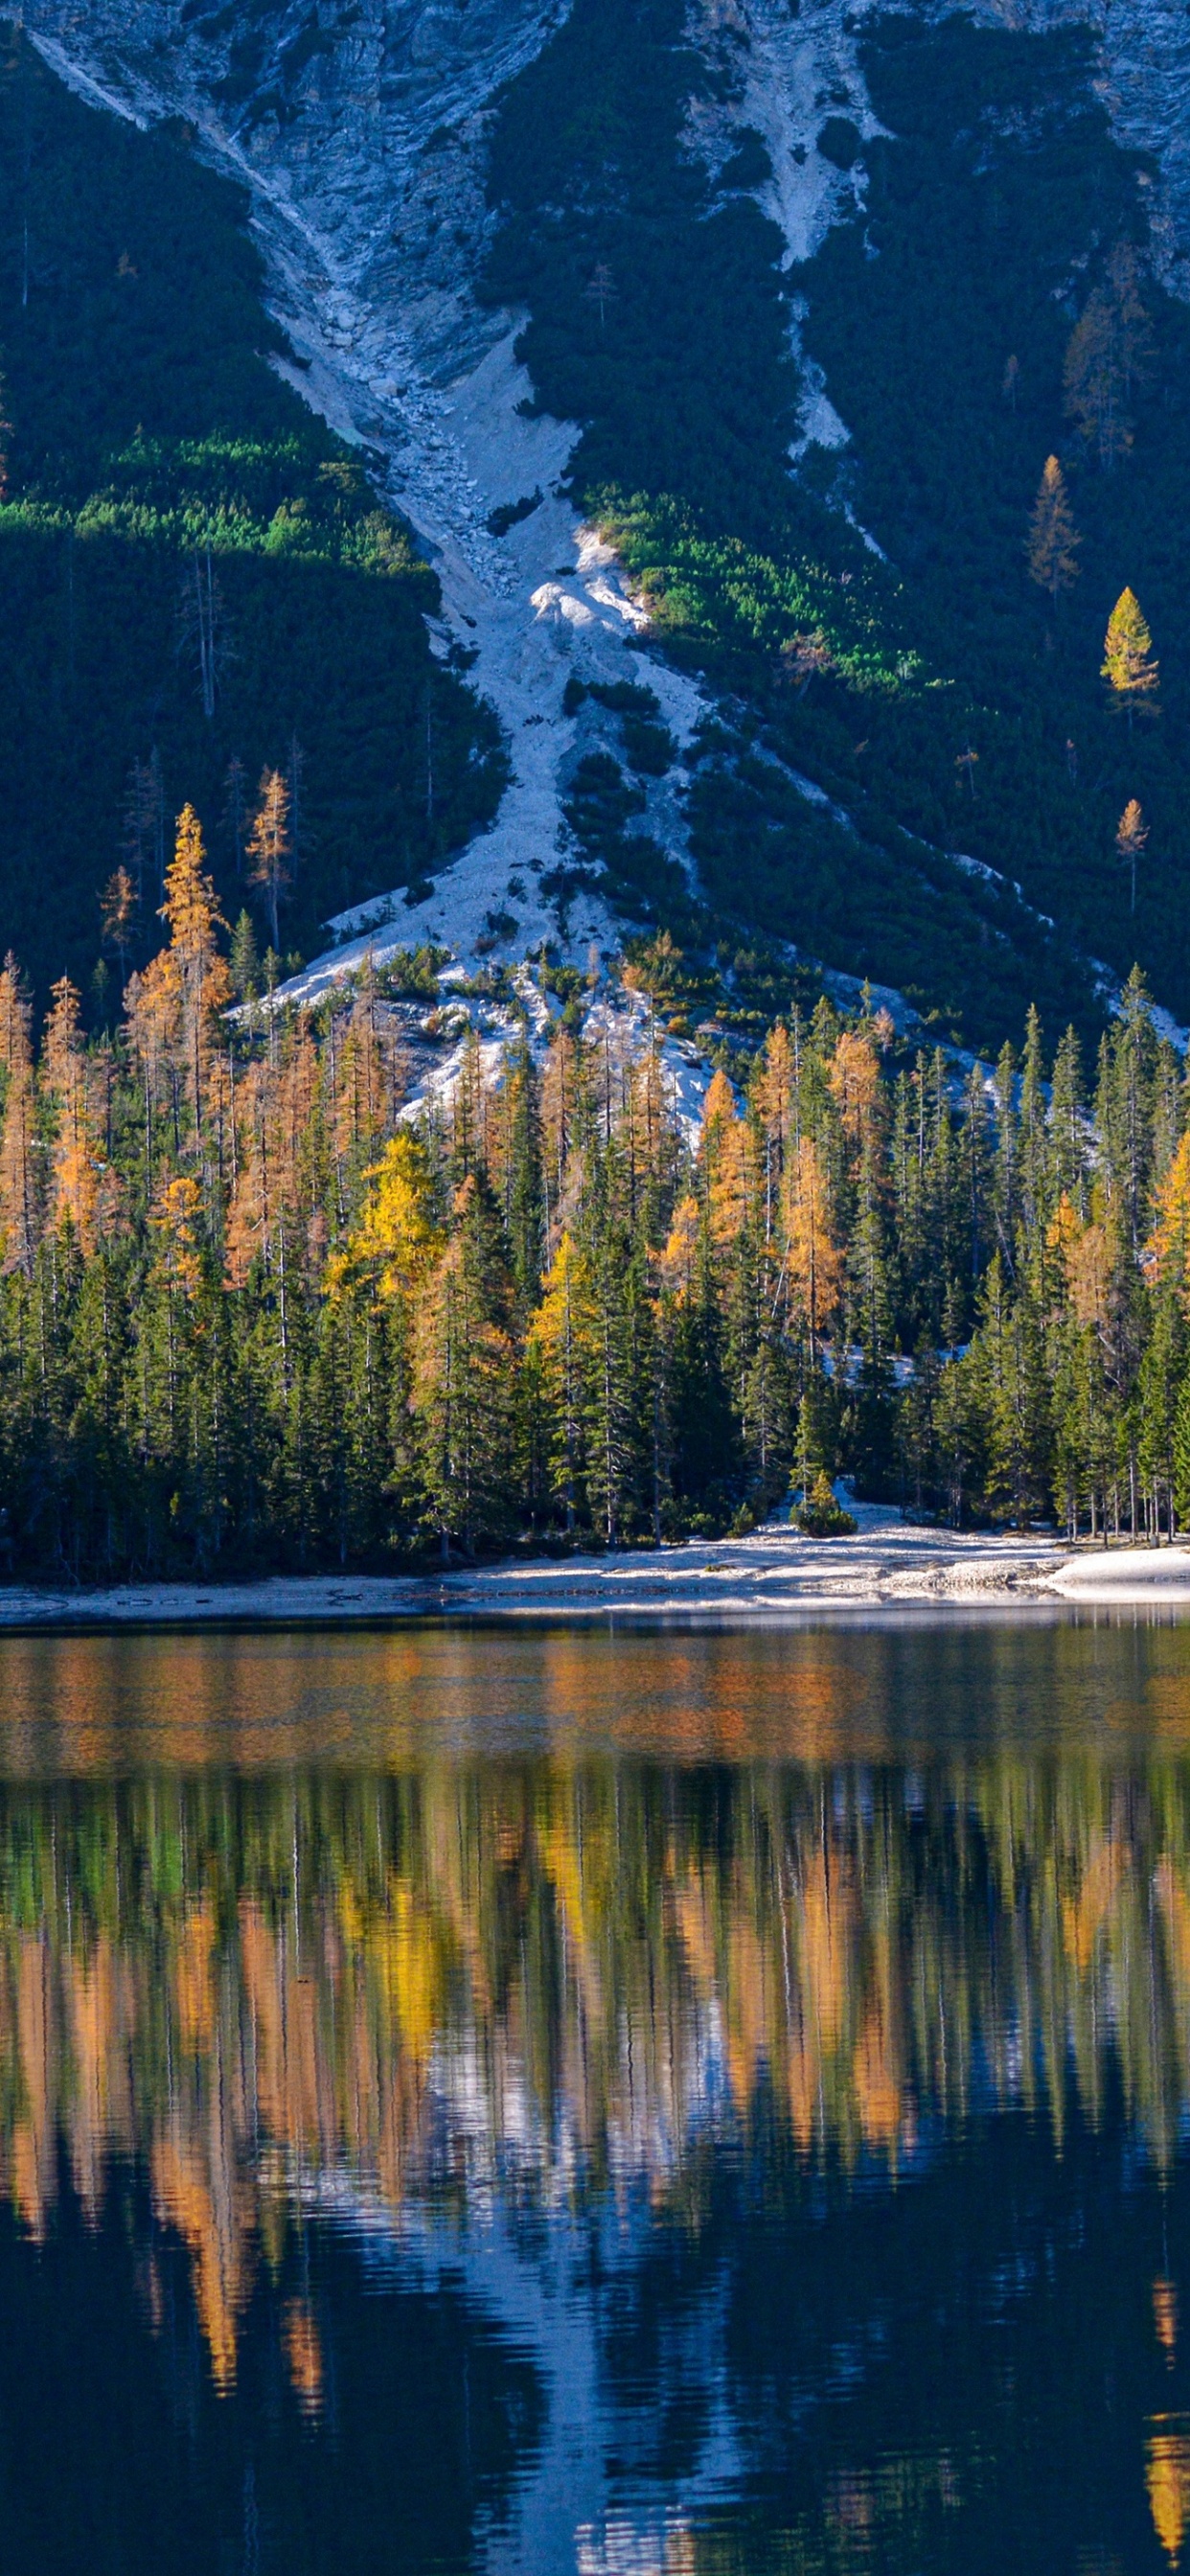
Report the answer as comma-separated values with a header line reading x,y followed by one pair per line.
x,y
791,2140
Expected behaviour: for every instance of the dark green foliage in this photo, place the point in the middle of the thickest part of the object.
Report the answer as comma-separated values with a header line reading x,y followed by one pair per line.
x,y
510,513
146,426
840,142
586,162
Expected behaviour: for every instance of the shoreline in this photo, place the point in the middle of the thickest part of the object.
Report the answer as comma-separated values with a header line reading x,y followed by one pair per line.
x,y
772,1575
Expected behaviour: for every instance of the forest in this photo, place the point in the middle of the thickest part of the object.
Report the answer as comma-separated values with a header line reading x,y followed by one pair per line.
x,y
258,1308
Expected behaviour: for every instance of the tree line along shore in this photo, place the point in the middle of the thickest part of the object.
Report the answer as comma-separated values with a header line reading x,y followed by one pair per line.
x,y
261,1311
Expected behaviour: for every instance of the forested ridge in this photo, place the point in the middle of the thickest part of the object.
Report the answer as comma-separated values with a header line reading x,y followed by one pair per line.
x,y
197,580
253,1314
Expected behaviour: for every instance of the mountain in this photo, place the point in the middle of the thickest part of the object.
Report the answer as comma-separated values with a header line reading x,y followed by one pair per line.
x,y
711,356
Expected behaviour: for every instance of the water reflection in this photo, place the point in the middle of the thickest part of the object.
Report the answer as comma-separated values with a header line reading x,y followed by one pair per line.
x,y
780,2148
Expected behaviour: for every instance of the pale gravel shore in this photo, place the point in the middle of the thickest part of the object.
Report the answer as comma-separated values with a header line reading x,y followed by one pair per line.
x,y
772,1575
776,1571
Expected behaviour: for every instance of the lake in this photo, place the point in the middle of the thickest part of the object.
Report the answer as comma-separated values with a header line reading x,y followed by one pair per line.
x,y
602,2101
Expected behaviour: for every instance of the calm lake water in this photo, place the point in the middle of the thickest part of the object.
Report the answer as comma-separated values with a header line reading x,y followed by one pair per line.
x,y
572,2101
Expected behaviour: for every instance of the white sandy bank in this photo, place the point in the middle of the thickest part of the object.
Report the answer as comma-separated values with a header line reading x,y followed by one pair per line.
x,y
773,1574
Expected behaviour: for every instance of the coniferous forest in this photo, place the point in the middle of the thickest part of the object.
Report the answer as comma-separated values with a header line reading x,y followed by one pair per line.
x,y
254,1313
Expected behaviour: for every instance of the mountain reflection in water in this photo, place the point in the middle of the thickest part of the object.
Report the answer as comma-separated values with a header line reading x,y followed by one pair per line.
x,y
734,2118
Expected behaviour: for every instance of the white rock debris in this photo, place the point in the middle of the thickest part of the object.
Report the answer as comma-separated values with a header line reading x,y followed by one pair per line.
x,y
616,1021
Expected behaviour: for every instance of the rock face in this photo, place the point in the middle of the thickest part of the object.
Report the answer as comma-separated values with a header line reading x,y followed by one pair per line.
x,y
360,128
1144,54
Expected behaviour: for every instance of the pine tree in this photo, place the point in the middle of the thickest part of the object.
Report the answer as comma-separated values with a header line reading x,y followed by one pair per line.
x,y
462,1389
244,963
1159,1384
563,1341
1130,666
1067,1117
1181,1452
1053,539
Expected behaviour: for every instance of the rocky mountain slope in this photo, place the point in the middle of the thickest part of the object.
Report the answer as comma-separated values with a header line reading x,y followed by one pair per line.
x,y
369,137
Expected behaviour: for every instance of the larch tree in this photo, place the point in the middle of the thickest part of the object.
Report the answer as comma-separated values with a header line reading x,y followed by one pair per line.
x,y
1107,357
1166,1255
814,1261
1053,539
118,906
203,982
269,845
66,1080
18,1186
397,1240
1132,833
563,1343
1130,666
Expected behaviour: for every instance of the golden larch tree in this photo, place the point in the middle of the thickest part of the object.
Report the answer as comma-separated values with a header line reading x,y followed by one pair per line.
x,y
203,983
1108,355
723,1147
1132,834
269,845
815,1264
117,906
855,1085
18,1191
1053,539
65,1072
1130,666
398,1238
1166,1255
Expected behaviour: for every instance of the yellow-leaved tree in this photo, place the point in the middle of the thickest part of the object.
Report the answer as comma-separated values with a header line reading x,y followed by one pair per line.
x,y
1132,833
398,1239
1085,1253
561,1351
75,1146
723,1148
269,846
854,1079
815,1266
1130,666
1166,1255
199,974
18,1188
